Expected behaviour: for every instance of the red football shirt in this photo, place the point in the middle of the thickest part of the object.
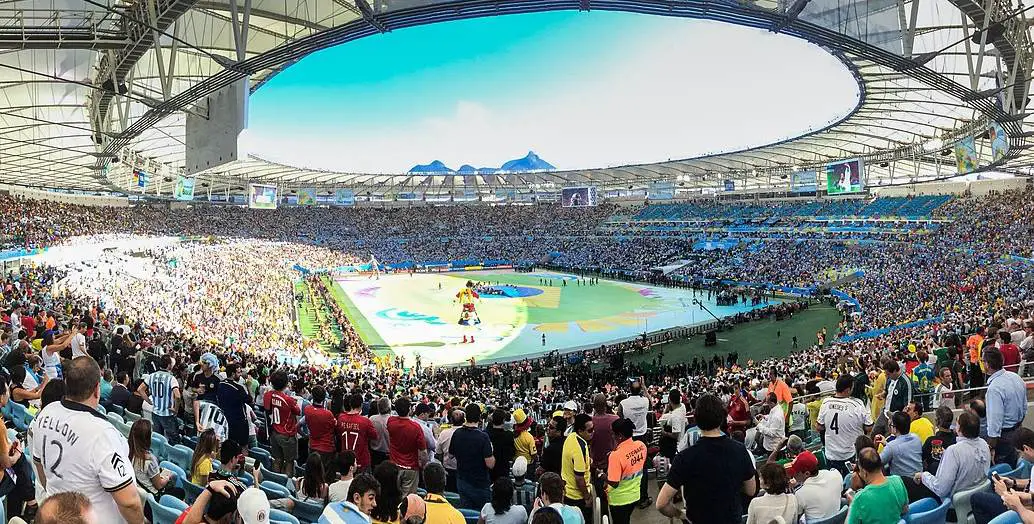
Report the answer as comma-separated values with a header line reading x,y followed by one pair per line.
x,y
356,434
321,428
282,411
1011,356
405,440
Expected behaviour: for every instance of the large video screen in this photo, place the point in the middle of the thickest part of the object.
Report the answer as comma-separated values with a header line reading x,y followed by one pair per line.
x,y
184,189
578,196
261,197
804,182
344,197
661,190
845,177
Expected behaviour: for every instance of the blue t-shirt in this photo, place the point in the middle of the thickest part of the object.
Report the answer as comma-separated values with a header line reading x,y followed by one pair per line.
x,y
471,447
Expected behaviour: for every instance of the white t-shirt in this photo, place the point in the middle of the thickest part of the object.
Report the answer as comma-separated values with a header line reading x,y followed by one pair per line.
x,y
79,346
517,514
844,419
677,419
211,416
634,409
51,363
338,491
79,450
819,496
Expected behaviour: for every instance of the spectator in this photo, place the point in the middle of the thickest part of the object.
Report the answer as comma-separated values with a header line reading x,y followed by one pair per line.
x,y
712,474
503,446
524,443
920,425
204,454
818,490
934,448
92,457
16,478
412,510
474,458
407,447
312,488
986,505
357,432
338,490
69,507
444,441
902,454
883,500
673,424
386,509
362,495
898,393
120,391
223,499
551,495
321,426
163,391
231,397
524,490
963,465
776,503
379,446
552,454
842,418
282,410
502,510
576,466
1006,404
624,471
635,408
149,475
438,508
772,426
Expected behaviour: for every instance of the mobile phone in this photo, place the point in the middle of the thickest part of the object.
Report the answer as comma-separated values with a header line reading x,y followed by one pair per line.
x,y
996,476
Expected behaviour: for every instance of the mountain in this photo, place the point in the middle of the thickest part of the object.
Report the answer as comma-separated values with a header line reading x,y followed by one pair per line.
x,y
531,162
434,167
467,169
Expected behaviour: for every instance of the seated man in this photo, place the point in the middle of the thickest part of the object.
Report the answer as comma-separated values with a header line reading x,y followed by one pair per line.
x,y
551,488
818,492
362,498
903,454
986,505
963,465
883,499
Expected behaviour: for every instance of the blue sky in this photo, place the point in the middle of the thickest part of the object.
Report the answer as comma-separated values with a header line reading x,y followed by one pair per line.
x,y
580,89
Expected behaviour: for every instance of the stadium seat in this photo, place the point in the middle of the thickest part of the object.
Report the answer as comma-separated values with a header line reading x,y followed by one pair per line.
x,y
159,444
962,504
422,492
114,419
101,410
276,515
130,417
1001,469
922,506
937,515
1009,517
164,515
306,511
274,490
837,518
190,440
118,410
1022,470
470,515
146,499
181,476
123,428
273,476
180,455
173,502
247,479
262,456
193,490
453,498
19,415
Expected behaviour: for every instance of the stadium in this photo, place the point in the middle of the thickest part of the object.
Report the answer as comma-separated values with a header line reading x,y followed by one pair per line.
x,y
738,299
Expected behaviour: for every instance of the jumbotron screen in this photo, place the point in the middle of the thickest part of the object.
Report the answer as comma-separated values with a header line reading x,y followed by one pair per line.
x,y
261,197
845,177
578,196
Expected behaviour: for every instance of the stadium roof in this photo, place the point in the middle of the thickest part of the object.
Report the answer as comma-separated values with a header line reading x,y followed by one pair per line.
x,y
87,82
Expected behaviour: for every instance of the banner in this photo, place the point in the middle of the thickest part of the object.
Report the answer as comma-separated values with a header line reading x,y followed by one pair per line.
x,y
999,141
845,177
261,196
661,190
730,185
307,196
344,197
966,158
184,188
408,196
578,196
804,182
139,178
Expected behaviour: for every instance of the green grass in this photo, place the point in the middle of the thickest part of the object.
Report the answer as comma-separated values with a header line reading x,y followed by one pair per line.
x,y
359,322
306,317
755,340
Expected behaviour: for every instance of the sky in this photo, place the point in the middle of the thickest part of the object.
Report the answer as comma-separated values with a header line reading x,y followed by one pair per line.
x,y
581,89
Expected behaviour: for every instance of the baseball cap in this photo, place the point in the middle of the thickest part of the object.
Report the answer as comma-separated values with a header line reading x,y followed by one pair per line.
x,y
570,405
804,462
251,503
520,467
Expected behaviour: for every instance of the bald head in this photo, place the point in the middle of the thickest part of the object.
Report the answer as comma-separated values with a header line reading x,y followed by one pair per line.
x,y
70,507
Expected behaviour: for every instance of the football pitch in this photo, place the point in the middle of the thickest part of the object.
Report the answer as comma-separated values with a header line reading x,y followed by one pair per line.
x,y
418,314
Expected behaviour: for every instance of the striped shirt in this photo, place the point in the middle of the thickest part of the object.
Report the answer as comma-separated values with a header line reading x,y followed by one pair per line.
x,y
343,513
210,416
161,385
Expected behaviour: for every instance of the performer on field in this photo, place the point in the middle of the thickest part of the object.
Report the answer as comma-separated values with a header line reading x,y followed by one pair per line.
x,y
468,315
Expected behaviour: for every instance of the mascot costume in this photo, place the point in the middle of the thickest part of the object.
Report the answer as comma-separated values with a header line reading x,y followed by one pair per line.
x,y
468,315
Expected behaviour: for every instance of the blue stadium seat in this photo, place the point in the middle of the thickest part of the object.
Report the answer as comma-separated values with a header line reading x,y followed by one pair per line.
x,y
306,511
180,455
114,419
922,506
193,490
837,518
262,456
1001,469
470,515
130,417
1009,517
118,410
247,479
173,502
19,415
101,410
159,444
274,490
937,515
1022,470
276,515
181,476
273,476
164,515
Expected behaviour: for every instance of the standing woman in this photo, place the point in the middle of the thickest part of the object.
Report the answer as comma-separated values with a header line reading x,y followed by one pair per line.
x,y
20,493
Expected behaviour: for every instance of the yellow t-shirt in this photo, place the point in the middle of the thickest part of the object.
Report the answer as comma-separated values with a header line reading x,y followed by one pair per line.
x,y
524,444
923,429
879,386
813,412
439,510
574,463
204,468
